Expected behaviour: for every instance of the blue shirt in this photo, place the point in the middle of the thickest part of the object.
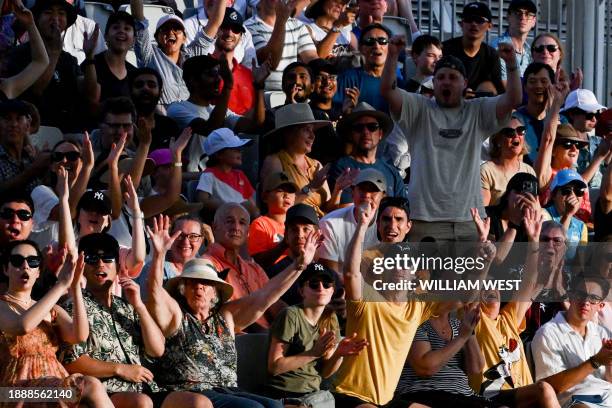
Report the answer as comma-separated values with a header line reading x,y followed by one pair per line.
x,y
533,131
574,233
522,60
395,183
368,85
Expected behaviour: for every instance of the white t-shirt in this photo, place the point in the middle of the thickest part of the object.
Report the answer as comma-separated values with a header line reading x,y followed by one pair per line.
x,y
445,155
44,232
338,228
244,51
557,347
73,38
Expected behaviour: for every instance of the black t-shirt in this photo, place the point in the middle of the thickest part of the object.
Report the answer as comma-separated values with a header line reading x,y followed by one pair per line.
x,y
484,66
603,223
110,85
60,104
165,129
327,146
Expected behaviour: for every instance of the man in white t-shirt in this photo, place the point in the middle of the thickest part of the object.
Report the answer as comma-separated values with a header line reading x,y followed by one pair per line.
x,y
445,134
574,354
339,226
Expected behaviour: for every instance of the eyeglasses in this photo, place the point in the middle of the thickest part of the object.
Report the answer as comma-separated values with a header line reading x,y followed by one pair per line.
x,y
360,127
70,156
550,48
557,241
370,41
589,297
475,19
9,213
569,143
33,260
190,237
93,259
565,191
119,126
315,284
509,132
322,78
525,14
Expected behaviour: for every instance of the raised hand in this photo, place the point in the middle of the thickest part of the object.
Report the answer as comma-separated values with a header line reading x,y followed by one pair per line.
x,y
351,98
145,125
350,346
130,196
346,178
66,274
62,183
78,272
225,72
159,234
89,43
532,223
284,11
87,152
208,235
482,227
131,292
22,14
262,72
572,205
134,373
506,52
320,177
178,145
471,317
576,78
116,150
313,240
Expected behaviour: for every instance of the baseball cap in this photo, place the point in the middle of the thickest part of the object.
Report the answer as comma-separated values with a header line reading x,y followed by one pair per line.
x,y
95,200
523,4
523,183
220,139
161,157
582,99
452,62
233,18
14,106
99,242
302,212
477,8
316,270
168,18
371,176
275,180
566,176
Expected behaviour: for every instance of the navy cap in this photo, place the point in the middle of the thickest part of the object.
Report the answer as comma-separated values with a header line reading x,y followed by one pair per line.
x,y
316,270
477,8
523,4
452,62
233,18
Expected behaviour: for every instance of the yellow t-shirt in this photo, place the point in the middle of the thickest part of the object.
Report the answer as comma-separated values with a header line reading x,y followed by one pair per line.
x,y
373,374
491,335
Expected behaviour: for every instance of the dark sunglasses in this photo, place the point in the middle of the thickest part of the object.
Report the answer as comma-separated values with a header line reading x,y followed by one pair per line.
x,y
236,29
8,214
17,260
70,156
550,48
569,143
314,284
588,115
370,41
509,132
475,19
589,297
565,191
92,259
360,127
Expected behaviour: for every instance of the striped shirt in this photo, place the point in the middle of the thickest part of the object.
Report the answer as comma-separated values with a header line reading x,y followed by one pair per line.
x,y
451,378
297,40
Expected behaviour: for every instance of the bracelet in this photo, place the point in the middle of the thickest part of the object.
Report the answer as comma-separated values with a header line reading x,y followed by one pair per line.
x,y
178,164
138,215
594,363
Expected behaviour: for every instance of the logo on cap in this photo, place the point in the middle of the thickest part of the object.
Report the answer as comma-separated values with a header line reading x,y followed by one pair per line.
x,y
233,16
318,267
99,195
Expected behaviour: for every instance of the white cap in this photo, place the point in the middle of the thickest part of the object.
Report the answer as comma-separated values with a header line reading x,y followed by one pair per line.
x,y
167,18
222,138
582,99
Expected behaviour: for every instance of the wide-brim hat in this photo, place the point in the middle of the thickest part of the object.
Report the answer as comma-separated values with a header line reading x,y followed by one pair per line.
x,y
364,109
42,5
295,114
315,8
566,131
182,206
205,269
125,166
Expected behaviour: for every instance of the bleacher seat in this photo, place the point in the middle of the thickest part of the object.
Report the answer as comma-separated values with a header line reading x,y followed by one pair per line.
x,y
46,135
252,351
274,99
99,12
152,12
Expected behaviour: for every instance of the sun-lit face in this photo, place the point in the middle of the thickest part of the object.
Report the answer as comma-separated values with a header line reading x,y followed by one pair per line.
x,y
298,78
426,60
300,138
23,276
12,226
585,301
233,230
100,272
333,8
188,243
317,291
171,37
67,156
512,139
564,193
475,27
280,199
91,222
120,36
547,51
552,248
374,47
536,86
295,236
521,21
200,294
325,85
367,193
393,225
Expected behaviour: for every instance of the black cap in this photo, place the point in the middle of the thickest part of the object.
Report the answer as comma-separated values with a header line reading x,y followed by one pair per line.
x,y
195,65
322,65
233,18
303,212
523,4
477,8
523,183
14,106
316,270
42,5
97,201
452,62
99,242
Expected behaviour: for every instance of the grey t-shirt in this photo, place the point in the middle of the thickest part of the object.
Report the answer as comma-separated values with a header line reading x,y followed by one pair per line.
x,y
445,150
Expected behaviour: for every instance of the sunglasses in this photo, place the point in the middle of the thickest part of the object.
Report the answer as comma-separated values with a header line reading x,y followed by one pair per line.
x,y
360,127
550,48
589,297
8,214
92,259
315,284
70,156
17,260
565,191
236,29
569,143
588,115
509,132
370,41
475,19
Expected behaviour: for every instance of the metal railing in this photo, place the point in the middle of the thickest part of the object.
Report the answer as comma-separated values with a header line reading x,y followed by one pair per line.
x,y
584,27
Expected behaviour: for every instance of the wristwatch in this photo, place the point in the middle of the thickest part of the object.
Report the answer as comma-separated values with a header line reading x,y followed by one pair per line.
x,y
594,363
335,29
306,189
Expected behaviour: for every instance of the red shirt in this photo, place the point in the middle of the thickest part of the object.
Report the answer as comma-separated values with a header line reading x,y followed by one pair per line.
x,y
243,94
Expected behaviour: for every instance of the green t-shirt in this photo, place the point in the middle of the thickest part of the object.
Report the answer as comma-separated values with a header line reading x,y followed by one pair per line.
x,y
291,327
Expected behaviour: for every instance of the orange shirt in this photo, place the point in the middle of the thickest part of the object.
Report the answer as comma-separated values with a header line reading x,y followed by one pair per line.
x,y
264,234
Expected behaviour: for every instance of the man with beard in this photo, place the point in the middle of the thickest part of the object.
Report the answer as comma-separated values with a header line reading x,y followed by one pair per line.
x,y
450,129
145,90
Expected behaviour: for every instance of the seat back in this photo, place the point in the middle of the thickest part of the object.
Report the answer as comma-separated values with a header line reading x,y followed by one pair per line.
x,y
252,350
46,135
152,12
99,12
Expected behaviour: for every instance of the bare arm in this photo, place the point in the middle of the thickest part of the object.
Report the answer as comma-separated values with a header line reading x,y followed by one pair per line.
x,y
80,184
138,252
74,329
215,18
513,96
388,84
472,357
273,50
137,9
90,366
404,9
352,265
114,186
279,362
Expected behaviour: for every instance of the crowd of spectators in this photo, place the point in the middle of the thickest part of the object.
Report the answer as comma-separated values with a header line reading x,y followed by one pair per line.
x,y
245,174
